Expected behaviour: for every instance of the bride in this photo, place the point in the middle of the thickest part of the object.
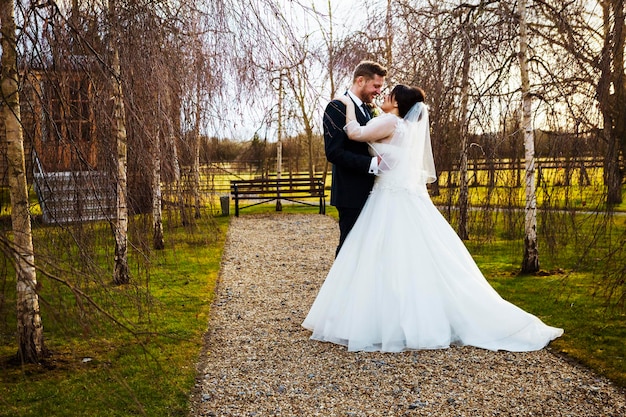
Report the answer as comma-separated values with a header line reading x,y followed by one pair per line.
x,y
403,280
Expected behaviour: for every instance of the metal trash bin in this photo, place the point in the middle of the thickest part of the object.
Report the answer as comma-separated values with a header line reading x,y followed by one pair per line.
x,y
225,203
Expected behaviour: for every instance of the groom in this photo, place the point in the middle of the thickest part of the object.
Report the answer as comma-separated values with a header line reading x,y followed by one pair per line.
x,y
353,167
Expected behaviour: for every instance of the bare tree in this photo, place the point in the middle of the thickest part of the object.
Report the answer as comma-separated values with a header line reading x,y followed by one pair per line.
x,y
282,55
469,30
29,324
157,213
201,82
333,56
329,42
428,55
589,40
301,84
530,261
121,274
389,31
613,103
195,169
463,183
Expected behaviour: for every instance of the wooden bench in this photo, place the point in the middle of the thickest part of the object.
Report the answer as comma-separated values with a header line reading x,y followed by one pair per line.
x,y
297,190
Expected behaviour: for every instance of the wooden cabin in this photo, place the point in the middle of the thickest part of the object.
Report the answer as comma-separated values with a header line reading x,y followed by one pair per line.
x,y
64,158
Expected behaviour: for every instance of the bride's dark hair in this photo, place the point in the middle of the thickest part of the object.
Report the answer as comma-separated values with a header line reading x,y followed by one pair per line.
x,y
406,97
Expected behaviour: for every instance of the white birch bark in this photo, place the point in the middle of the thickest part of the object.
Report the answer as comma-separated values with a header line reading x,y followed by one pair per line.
x,y
196,153
157,213
171,142
121,272
279,144
29,323
530,262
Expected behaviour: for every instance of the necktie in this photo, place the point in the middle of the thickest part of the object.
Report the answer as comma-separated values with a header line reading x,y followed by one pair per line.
x,y
366,111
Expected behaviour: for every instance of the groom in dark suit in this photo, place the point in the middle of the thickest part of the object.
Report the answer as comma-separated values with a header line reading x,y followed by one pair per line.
x,y
353,167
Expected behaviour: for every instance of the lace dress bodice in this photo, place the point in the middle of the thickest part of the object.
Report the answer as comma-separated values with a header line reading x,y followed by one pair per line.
x,y
398,172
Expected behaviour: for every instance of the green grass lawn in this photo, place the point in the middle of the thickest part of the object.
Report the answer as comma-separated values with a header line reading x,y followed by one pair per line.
x,y
594,329
108,371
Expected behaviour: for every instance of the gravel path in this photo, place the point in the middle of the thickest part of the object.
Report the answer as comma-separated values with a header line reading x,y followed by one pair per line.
x,y
259,361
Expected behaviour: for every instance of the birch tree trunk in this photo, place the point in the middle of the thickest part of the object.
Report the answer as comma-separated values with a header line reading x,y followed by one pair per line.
x,y
170,143
29,325
279,144
530,262
157,214
121,272
330,46
196,153
389,29
463,187
296,80
178,182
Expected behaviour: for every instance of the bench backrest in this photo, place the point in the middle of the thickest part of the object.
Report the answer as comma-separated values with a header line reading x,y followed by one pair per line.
x,y
289,186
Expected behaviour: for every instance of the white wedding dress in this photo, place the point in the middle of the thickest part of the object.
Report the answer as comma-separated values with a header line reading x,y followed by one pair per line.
x,y
403,279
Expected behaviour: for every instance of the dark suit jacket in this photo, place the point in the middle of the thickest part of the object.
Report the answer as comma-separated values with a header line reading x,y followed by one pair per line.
x,y
351,182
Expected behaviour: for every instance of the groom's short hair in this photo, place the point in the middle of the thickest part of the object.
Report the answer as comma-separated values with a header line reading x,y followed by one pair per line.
x,y
369,69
